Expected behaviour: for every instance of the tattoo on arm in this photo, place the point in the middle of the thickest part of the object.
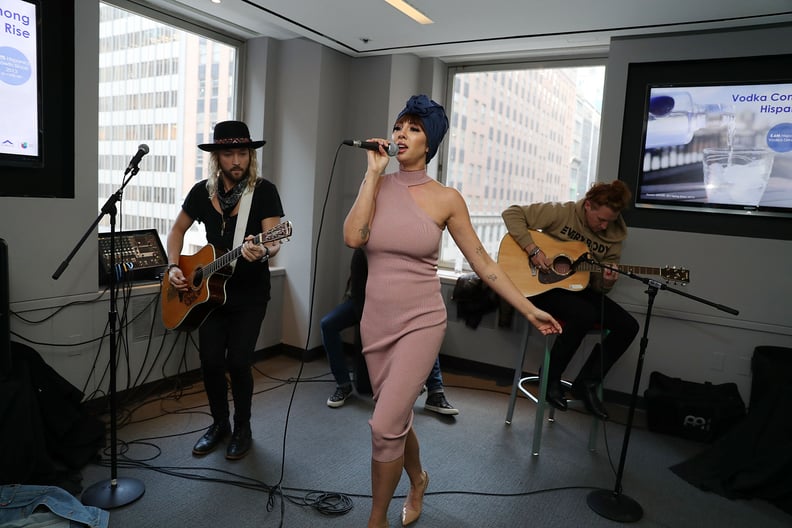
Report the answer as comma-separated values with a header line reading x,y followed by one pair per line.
x,y
480,250
365,232
492,277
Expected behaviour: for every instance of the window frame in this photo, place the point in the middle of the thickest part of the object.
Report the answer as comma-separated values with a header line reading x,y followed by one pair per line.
x,y
446,152
235,111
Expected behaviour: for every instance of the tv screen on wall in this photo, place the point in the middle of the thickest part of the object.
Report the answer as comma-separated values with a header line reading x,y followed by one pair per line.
x,y
20,142
37,91
709,138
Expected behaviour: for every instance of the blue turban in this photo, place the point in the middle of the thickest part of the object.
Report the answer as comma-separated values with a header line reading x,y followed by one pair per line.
x,y
434,121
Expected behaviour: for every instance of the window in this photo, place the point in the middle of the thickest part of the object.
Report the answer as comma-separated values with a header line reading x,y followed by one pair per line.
x,y
161,86
533,136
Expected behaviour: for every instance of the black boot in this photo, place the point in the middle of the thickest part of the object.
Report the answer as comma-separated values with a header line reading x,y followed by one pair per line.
x,y
213,436
241,441
586,391
555,395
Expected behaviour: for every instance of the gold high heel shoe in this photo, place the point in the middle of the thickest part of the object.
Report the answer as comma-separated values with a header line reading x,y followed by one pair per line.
x,y
410,515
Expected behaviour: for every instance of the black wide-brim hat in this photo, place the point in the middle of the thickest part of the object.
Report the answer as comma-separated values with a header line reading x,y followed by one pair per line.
x,y
231,134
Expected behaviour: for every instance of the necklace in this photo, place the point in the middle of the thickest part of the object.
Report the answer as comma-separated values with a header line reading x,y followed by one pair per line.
x,y
228,200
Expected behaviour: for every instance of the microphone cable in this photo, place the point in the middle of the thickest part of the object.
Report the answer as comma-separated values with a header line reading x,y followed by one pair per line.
x,y
335,504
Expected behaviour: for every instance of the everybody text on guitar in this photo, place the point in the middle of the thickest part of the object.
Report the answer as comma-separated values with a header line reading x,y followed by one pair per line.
x,y
569,270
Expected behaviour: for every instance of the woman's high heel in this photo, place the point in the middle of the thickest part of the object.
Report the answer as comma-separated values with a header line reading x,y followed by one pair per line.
x,y
410,515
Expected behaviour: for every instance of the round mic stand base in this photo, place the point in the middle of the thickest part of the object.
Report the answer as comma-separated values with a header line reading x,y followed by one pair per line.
x,y
108,494
614,506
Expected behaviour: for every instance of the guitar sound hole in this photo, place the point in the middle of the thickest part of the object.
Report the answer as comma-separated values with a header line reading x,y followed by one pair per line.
x,y
197,279
562,265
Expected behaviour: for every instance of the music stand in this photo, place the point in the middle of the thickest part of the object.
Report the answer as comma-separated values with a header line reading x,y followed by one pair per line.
x,y
613,504
113,492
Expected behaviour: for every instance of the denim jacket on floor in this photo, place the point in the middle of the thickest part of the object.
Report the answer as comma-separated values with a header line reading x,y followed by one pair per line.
x,y
18,502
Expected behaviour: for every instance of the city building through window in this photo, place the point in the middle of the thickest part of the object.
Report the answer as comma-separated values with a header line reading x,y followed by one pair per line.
x,y
519,136
162,87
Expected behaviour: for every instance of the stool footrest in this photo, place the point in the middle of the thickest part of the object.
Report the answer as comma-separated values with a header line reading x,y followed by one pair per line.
x,y
536,379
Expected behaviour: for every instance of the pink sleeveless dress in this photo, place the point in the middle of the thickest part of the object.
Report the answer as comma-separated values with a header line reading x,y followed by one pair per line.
x,y
404,318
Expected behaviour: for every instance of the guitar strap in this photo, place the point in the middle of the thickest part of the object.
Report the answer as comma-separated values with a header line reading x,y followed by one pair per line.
x,y
242,220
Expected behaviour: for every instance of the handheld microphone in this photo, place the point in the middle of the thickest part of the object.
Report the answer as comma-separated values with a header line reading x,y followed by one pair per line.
x,y
143,149
391,150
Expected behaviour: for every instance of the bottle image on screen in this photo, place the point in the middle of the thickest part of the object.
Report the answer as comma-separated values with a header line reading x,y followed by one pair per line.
x,y
673,118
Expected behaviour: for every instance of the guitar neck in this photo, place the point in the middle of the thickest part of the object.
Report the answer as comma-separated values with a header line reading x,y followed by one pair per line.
x,y
640,270
227,258
279,232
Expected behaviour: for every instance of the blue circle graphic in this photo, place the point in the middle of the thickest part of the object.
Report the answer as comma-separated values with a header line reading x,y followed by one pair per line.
x,y
14,66
779,138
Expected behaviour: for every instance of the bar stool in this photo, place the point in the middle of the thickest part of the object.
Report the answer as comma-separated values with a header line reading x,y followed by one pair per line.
x,y
541,399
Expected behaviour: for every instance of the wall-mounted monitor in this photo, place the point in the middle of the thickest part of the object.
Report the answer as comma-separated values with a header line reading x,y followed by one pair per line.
x,y
20,88
37,92
707,145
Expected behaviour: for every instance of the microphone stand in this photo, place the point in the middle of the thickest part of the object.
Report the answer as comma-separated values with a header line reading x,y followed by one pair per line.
x,y
113,492
613,504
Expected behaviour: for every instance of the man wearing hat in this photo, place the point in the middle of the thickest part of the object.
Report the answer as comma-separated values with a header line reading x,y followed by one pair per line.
x,y
227,337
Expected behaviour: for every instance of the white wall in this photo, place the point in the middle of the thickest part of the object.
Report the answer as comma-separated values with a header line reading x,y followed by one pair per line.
x,y
306,121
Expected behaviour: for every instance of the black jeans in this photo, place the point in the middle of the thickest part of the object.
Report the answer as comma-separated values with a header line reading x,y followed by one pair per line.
x,y
227,339
581,312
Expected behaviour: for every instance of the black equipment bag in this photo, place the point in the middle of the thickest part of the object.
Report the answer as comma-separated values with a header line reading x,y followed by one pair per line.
x,y
44,427
695,411
771,367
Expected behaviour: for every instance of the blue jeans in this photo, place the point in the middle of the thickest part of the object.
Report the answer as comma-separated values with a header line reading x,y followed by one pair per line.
x,y
434,383
342,317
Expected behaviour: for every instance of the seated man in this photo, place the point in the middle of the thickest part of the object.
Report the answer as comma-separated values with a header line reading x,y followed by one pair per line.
x,y
346,315
596,221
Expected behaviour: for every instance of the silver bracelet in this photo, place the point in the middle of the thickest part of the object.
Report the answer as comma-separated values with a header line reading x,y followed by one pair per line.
x,y
535,251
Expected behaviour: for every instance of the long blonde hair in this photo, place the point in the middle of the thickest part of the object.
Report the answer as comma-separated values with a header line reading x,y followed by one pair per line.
x,y
214,172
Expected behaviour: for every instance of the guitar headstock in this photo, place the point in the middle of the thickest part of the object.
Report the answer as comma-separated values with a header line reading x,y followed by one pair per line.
x,y
675,275
279,232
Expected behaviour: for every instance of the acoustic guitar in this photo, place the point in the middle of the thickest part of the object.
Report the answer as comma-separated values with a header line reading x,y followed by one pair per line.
x,y
207,274
569,269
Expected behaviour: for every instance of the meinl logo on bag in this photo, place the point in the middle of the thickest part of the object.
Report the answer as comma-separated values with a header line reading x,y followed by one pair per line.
x,y
697,422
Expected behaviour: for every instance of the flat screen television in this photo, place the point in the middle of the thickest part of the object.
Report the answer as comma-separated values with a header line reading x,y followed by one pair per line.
x,y
37,91
20,86
707,145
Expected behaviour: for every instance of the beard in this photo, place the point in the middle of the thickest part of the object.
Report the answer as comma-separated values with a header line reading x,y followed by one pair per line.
x,y
235,175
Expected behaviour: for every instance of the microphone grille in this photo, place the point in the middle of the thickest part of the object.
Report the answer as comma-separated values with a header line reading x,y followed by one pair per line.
x,y
393,149
144,148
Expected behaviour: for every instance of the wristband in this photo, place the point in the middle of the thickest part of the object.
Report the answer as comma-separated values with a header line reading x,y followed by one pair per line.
x,y
535,251
266,256
170,267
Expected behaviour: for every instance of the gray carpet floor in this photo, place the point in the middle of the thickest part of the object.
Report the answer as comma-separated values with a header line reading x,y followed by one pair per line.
x,y
310,464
